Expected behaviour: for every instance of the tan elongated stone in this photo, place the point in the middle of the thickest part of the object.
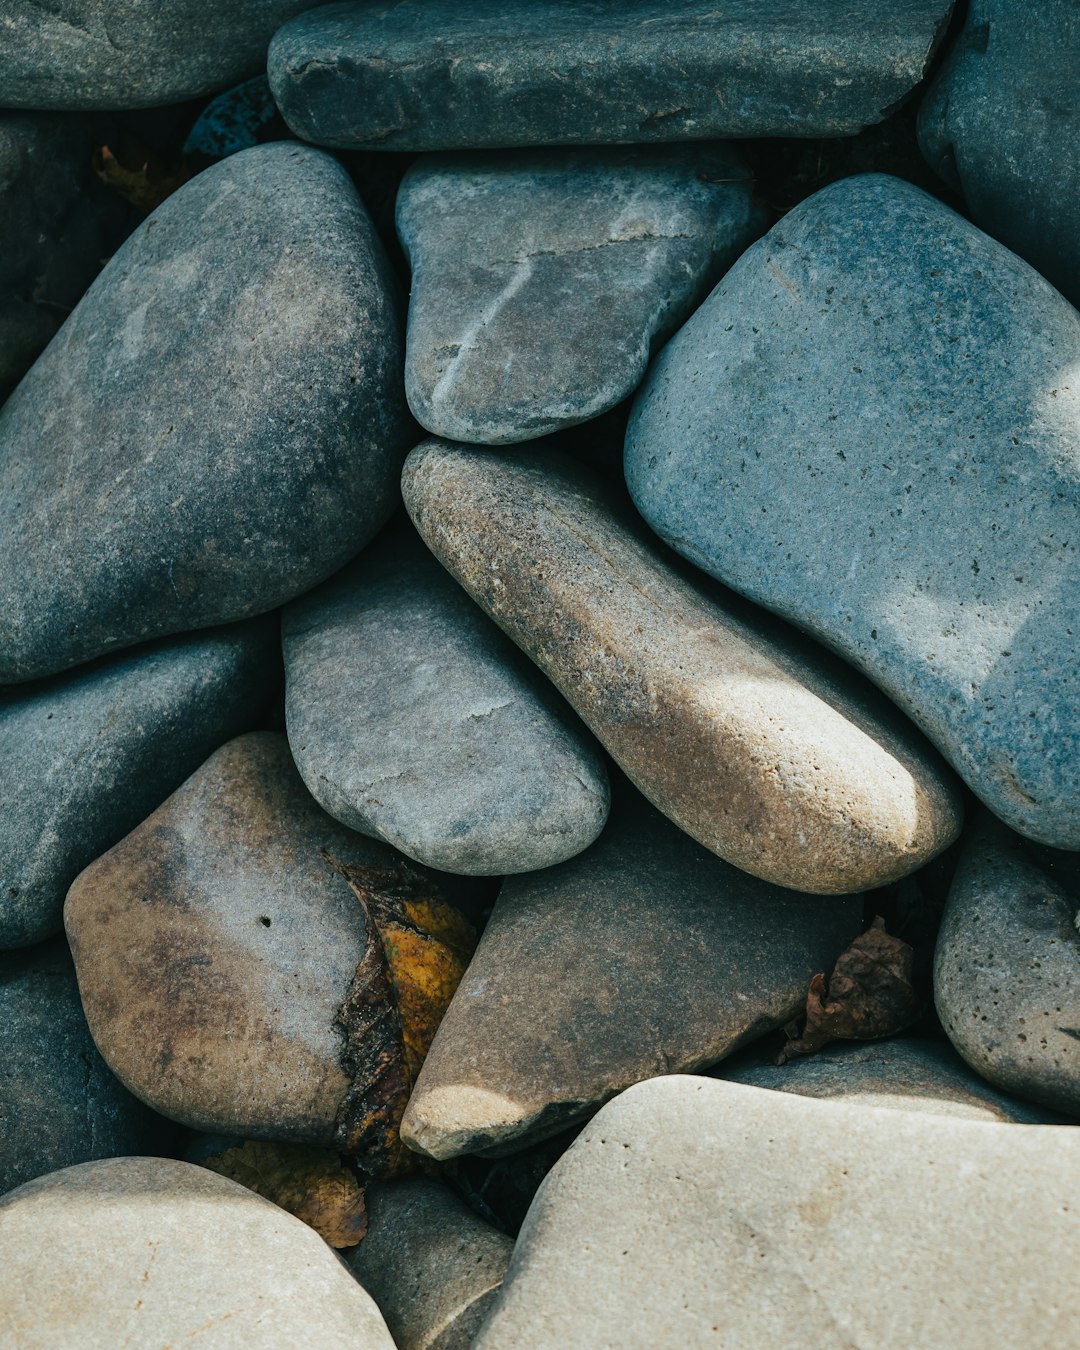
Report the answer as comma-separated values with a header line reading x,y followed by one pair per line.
x,y
755,742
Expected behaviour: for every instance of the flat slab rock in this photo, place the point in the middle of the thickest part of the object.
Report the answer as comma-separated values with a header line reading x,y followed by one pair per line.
x,y
644,955
869,427
1007,971
59,1102
132,53
448,74
154,1252
412,718
236,371
543,282
1001,123
89,755
691,1212
758,746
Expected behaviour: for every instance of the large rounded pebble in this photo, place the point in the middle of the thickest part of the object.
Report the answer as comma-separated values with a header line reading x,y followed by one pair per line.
x,y
149,1252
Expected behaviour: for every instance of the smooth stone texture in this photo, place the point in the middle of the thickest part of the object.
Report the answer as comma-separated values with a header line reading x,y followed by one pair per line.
x,y
543,282
450,74
691,1212
59,1103
130,53
154,1252
216,943
870,427
1007,971
431,1264
1001,124
413,719
234,371
757,745
645,955
88,756
902,1075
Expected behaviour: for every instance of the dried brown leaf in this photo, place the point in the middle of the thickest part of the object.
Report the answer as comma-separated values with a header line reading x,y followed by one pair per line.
x,y
139,176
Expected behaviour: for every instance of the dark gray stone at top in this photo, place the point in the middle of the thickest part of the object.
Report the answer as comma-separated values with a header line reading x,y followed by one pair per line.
x,y
217,427
872,428
454,74
1001,123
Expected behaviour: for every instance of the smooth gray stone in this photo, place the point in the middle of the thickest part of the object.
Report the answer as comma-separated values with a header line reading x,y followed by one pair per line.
x,y
412,718
59,1102
901,1075
1001,123
645,955
89,755
218,426
1007,971
431,1264
454,74
870,428
543,281
130,53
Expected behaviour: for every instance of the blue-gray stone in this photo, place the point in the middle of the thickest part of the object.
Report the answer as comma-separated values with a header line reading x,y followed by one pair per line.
x,y
219,425
872,427
236,120
454,74
1001,123
544,280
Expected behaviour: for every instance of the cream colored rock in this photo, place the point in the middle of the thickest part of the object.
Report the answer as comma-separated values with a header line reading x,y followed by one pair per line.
x,y
150,1252
755,742
697,1213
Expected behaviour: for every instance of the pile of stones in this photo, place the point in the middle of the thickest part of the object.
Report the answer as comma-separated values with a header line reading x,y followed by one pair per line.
x,y
616,464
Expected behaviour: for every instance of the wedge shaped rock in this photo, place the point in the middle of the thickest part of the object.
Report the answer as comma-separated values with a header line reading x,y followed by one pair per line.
x,y
691,1212
872,427
542,282
217,427
413,719
157,1252
448,74
644,955
89,755
759,746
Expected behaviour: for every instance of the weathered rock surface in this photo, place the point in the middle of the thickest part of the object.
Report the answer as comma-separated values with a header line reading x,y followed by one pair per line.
x,y
89,755
234,371
870,428
154,1252
542,282
412,718
447,74
431,1264
59,1103
130,53
763,749
1001,123
692,1212
645,955
216,944
903,1075
1007,971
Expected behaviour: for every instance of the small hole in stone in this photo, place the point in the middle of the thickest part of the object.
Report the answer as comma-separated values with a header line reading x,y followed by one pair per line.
x,y
265,921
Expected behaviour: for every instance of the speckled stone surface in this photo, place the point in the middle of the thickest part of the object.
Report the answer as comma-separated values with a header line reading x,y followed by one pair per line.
x,y
59,1103
872,428
412,718
692,1212
236,371
130,53
1007,971
756,743
543,281
1001,123
644,955
87,756
447,74
154,1252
